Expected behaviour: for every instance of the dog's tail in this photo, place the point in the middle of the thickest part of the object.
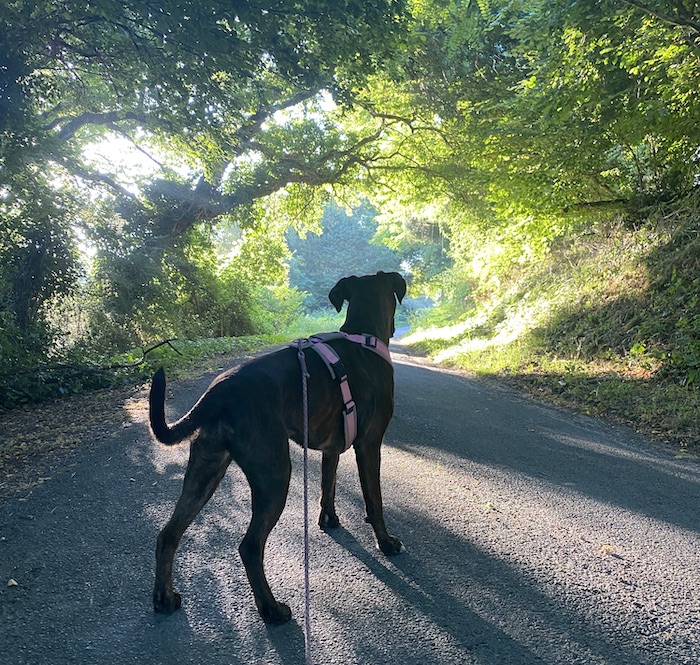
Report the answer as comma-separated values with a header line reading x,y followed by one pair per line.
x,y
169,435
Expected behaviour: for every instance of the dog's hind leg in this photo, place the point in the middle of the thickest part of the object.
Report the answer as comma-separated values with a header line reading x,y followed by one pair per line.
x,y
268,473
328,518
368,464
204,472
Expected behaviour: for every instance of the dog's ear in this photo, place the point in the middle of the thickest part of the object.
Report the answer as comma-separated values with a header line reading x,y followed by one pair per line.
x,y
341,292
399,285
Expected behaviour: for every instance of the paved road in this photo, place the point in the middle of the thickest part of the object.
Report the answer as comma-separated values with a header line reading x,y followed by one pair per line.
x,y
532,535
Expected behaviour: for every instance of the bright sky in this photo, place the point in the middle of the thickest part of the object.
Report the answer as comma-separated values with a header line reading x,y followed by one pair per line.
x,y
117,155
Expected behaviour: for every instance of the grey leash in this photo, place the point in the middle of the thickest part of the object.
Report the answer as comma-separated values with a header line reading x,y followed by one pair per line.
x,y
307,596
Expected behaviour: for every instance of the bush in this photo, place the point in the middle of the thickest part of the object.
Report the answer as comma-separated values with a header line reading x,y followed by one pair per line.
x,y
276,308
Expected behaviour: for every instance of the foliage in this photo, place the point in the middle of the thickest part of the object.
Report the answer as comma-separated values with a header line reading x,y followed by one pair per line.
x,y
343,247
276,308
219,106
417,236
608,323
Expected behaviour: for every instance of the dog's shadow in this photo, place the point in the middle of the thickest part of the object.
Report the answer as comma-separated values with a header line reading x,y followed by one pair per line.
x,y
383,568
419,587
176,635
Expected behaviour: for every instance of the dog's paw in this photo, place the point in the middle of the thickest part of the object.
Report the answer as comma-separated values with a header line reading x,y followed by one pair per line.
x,y
276,614
328,520
166,602
391,546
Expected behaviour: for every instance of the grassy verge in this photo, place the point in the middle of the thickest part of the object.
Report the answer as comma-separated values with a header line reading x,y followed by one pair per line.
x,y
78,374
608,324
38,428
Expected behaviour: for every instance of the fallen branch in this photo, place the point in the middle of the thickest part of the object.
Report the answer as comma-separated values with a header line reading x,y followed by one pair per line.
x,y
145,353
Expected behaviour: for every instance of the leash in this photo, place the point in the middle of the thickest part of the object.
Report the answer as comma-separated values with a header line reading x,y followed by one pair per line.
x,y
337,370
307,595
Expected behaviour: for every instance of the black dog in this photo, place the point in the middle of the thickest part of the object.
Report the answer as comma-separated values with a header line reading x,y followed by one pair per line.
x,y
249,414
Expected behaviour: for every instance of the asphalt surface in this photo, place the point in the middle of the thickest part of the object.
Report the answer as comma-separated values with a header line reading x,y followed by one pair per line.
x,y
533,535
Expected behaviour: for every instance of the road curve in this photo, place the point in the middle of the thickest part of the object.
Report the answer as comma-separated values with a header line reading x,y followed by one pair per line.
x,y
533,535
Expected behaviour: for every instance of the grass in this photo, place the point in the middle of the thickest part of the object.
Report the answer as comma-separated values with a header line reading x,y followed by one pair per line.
x,y
179,358
608,324
81,375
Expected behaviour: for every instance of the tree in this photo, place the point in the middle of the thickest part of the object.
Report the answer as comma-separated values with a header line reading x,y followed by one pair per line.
x,y
226,99
342,248
516,120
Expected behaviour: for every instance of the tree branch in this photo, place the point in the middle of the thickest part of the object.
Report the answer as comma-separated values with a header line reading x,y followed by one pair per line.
x,y
244,135
595,204
683,21
71,128
118,130
86,369
92,176
206,202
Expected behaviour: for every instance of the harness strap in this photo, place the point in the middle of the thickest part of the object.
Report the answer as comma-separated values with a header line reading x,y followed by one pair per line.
x,y
337,369
370,342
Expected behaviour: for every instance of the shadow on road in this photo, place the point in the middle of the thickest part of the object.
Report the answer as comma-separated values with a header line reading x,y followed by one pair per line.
x,y
81,548
469,423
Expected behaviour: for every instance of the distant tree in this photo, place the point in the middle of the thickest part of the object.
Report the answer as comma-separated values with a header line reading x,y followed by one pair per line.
x,y
343,247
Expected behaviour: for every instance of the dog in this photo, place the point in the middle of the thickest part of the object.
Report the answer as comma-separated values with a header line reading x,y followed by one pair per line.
x,y
248,415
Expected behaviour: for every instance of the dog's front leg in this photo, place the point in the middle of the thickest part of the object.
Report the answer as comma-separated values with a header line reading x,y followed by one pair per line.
x,y
368,463
328,519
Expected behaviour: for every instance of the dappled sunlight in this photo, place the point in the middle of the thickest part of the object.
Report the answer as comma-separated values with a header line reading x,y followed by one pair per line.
x,y
519,321
445,332
341,605
165,460
495,564
501,339
137,408
508,559
171,460
538,518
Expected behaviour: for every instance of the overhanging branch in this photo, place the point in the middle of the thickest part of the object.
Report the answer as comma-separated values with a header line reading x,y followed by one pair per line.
x,y
102,178
682,20
71,127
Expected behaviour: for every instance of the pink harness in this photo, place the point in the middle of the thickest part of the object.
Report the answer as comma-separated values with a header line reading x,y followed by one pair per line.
x,y
337,369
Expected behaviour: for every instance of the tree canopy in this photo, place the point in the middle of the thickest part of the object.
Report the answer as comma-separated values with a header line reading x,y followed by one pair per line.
x,y
224,99
481,131
521,120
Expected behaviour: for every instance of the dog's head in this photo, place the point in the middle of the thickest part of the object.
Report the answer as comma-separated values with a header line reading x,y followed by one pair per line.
x,y
371,302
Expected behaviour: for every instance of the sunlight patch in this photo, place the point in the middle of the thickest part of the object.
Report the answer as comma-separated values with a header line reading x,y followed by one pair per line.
x,y
502,339
446,332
